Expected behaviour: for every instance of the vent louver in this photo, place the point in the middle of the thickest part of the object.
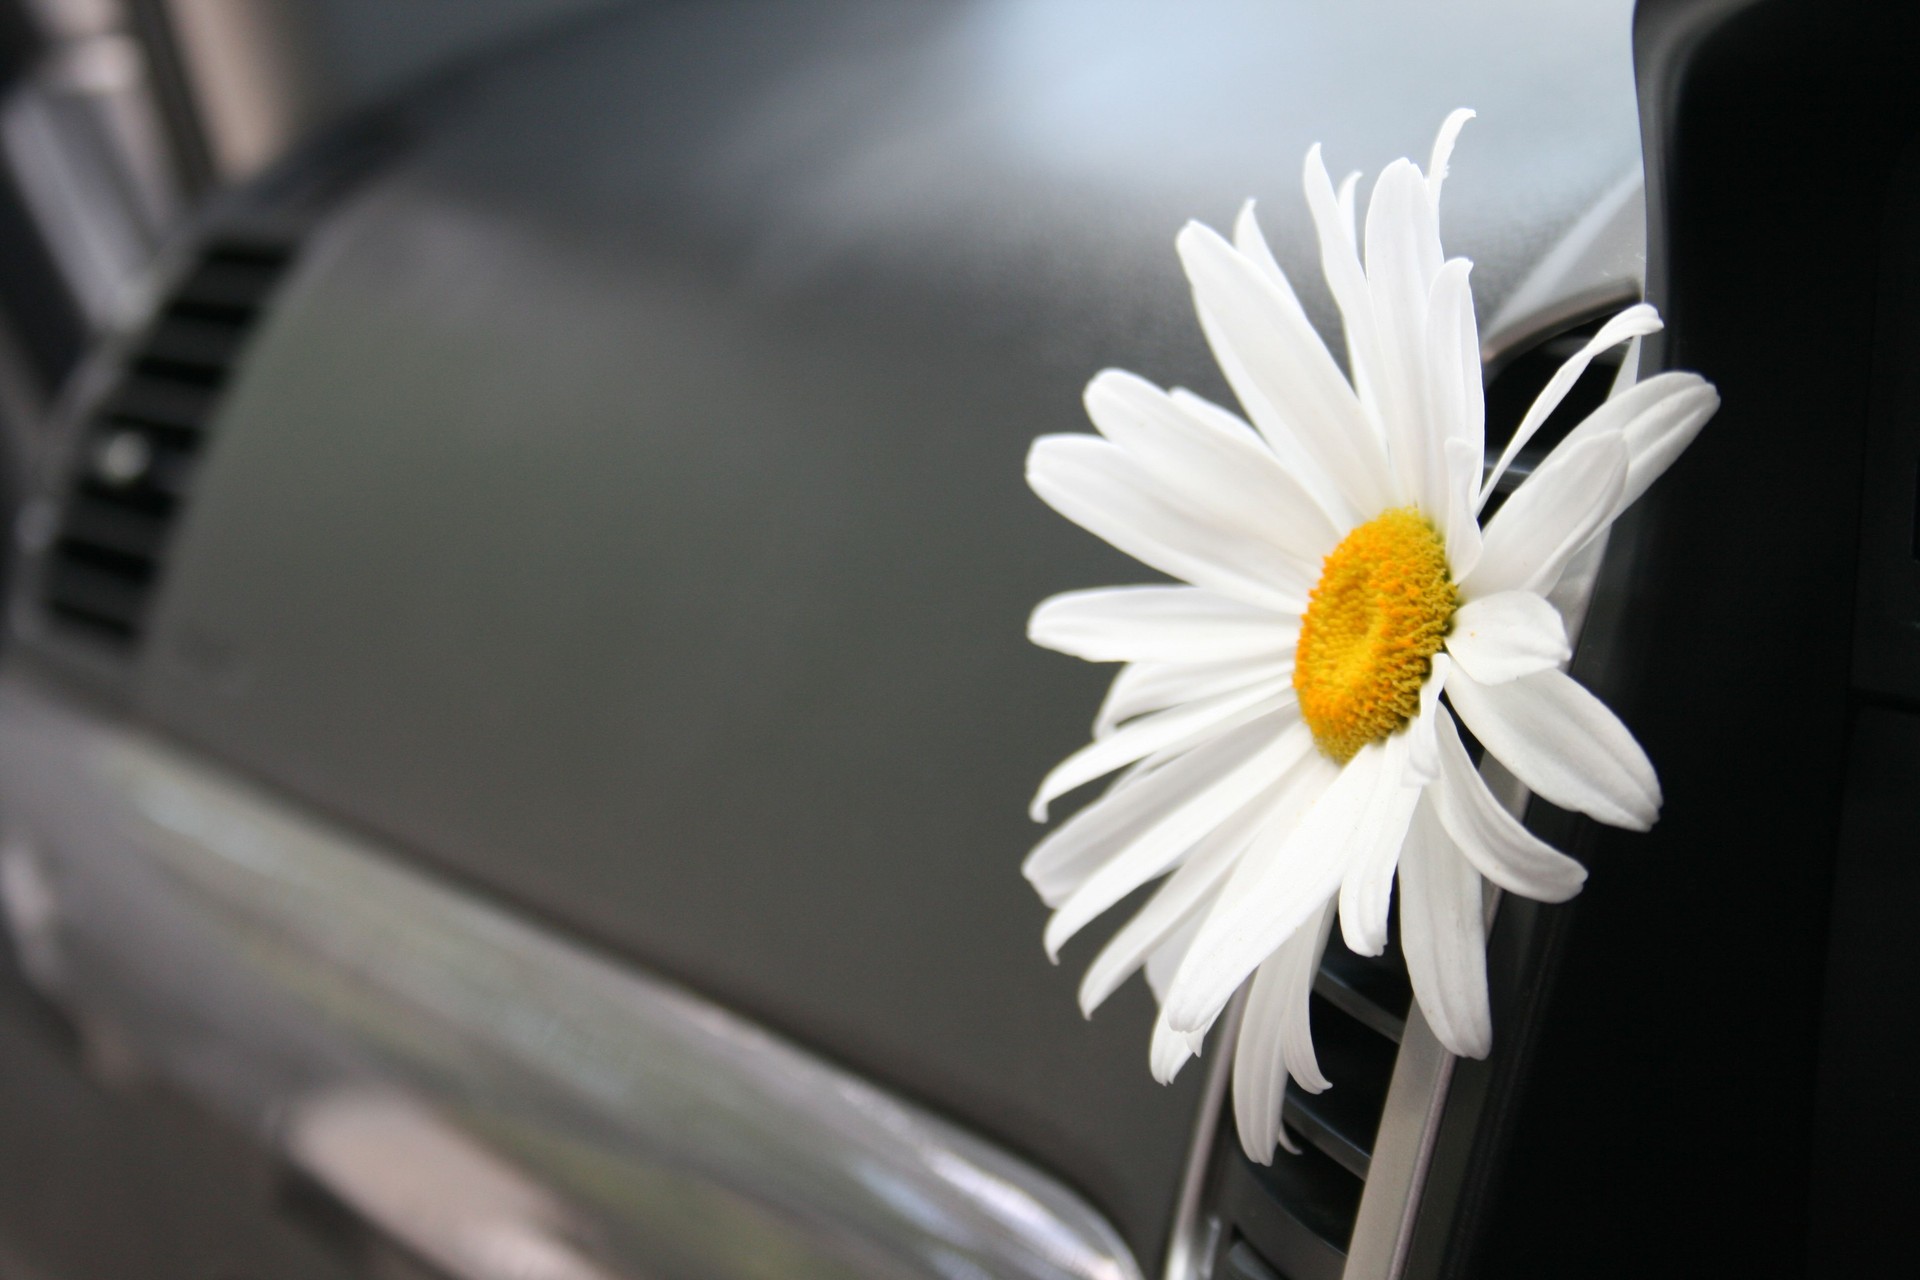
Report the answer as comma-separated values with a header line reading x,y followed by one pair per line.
x,y
1294,1219
138,451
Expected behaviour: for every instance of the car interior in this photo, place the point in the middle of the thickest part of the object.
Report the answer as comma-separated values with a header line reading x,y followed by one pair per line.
x,y
516,718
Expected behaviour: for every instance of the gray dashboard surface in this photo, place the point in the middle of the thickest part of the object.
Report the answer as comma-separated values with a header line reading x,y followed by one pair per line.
x,y
622,508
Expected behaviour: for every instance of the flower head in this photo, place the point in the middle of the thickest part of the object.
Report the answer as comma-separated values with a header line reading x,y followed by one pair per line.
x,y
1284,723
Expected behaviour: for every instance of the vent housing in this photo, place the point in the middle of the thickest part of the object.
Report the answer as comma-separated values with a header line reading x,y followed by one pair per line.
x,y
138,451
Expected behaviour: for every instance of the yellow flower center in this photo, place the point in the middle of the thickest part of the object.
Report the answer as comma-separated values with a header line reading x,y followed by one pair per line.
x,y
1379,613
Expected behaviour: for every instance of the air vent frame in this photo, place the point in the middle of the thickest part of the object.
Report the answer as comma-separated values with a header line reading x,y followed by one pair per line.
x,y
132,453
281,208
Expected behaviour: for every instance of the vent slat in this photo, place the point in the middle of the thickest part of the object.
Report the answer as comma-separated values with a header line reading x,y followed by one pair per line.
x,y
1373,989
142,501
271,255
115,526
140,454
235,287
1344,1120
108,599
1296,1213
133,568
198,344
165,403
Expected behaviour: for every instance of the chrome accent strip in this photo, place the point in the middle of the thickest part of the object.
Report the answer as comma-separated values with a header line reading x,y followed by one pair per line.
x,y
486,1093
1409,1123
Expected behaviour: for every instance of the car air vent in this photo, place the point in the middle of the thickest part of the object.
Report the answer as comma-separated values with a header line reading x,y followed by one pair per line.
x,y
1294,1219
139,448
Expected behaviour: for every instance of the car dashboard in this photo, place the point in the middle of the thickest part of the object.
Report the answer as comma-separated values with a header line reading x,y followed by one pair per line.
x,y
518,702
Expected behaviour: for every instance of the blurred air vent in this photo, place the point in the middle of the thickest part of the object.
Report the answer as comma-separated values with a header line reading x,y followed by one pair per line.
x,y
137,454
1293,1219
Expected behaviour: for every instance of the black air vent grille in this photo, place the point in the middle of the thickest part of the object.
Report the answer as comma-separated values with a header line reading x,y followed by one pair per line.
x,y
138,452
1295,1217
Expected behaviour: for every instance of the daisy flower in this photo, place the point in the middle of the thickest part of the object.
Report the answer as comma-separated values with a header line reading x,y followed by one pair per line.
x,y
1285,721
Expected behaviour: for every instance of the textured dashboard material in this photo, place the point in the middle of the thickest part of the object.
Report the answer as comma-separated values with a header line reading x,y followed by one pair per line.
x,y
622,508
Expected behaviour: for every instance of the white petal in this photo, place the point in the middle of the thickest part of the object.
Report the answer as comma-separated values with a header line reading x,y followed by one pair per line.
x,y
1291,454
1491,838
1145,687
1443,934
1656,438
1282,879
1657,419
1403,258
1506,635
1456,388
1296,380
1259,1076
1228,473
1340,263
1168,1051
1061,862
1574,591
1443,151
1629,371
1464,542
1179,904
1160,624
1635,322
1296,1032
1366,892
1405,226
1252,243
1348,200
1549,518
1627,403
1102,489
1423,758
1168,730
1564,744
1165,958
1183,899
1155,849
1274,1038
1172,915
